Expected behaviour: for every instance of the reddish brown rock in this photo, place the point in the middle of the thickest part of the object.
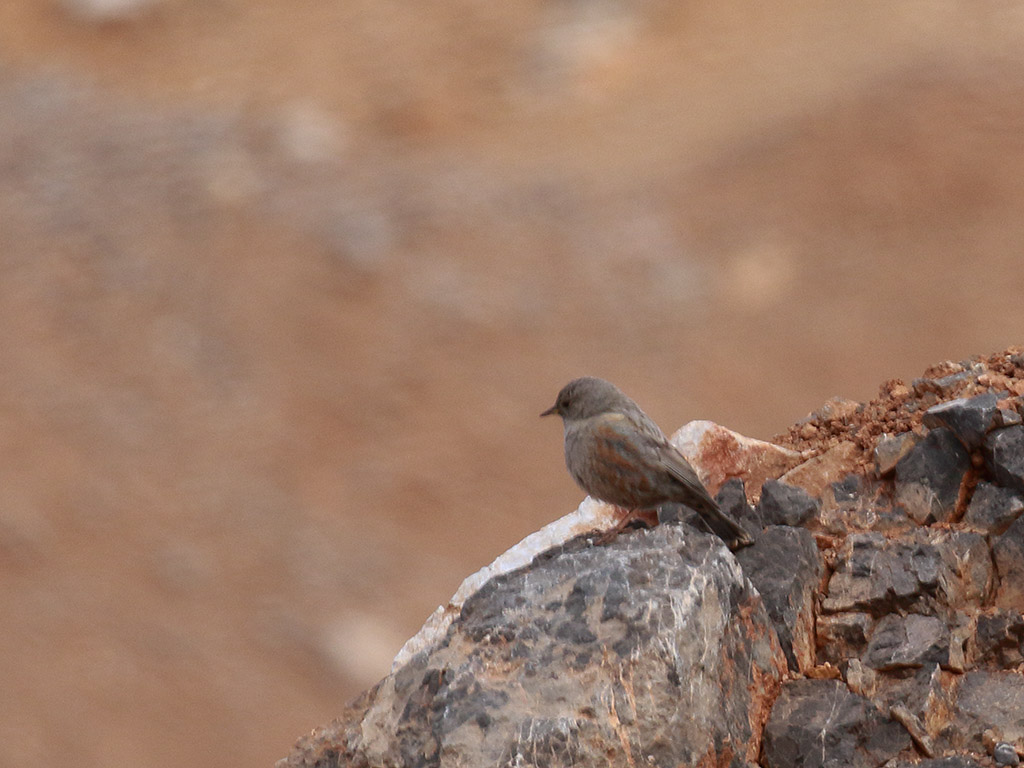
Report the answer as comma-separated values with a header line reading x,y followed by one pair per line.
x,y
720,454
817,474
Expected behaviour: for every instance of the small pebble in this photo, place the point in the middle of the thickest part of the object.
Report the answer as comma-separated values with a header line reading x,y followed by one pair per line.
x,y
1005,754
1009,418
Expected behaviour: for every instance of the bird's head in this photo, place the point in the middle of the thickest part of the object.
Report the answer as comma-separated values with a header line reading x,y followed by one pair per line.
x,y
586,397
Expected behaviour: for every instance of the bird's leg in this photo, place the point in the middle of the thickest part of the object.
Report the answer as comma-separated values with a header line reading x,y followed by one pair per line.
x,y
646,518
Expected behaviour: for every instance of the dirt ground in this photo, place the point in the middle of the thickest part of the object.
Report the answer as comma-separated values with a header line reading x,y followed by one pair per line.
x,y
286,285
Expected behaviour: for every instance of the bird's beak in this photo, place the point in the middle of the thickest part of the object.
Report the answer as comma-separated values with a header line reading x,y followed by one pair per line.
x,y
552,410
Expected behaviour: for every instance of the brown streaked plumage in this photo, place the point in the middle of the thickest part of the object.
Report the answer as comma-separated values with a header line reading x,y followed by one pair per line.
x,y
618,455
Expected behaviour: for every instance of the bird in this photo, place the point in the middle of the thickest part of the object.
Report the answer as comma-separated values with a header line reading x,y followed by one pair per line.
x,y
617,454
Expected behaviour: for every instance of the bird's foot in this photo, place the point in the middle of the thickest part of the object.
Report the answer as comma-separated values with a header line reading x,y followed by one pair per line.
x,y
632,518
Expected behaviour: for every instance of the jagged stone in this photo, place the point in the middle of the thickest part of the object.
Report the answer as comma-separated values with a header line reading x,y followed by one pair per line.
x,y
925,571
838,409
1004,456
869,508
950,383
928,478
901,712
969,418
818,723
993,508
967,567
651,649
927,694
961,632
907,641
783,504
1008,553
843,636
877,575
860,679
890,449
999,639
785,566
732,498
990,700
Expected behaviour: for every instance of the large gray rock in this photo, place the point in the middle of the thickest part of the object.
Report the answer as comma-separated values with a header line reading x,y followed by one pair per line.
x,y
651,650
732,499
925,697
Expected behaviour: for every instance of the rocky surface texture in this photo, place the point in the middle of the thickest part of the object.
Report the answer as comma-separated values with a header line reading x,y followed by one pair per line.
x,y
654,648
877,620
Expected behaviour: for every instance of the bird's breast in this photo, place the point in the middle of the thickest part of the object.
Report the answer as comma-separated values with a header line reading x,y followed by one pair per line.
x,y
613,462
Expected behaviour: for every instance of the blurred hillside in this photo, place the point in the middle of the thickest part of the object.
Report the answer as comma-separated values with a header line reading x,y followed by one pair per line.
x,y
285,286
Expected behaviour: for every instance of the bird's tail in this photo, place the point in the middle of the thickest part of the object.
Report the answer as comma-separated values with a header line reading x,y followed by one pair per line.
x,y
706,514
727,529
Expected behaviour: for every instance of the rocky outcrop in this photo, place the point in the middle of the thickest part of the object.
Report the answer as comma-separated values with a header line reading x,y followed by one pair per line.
x,y
876,620
654,647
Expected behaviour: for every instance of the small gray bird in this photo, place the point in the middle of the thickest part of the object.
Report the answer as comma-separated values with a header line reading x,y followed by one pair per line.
x,y
618,455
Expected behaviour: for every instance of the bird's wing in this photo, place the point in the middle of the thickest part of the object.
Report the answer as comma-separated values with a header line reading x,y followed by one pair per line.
x,y
681,470
719,522
635,436
647,442
630,442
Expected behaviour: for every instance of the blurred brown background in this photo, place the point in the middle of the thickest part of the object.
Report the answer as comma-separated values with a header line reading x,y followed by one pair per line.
x,y
286,284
